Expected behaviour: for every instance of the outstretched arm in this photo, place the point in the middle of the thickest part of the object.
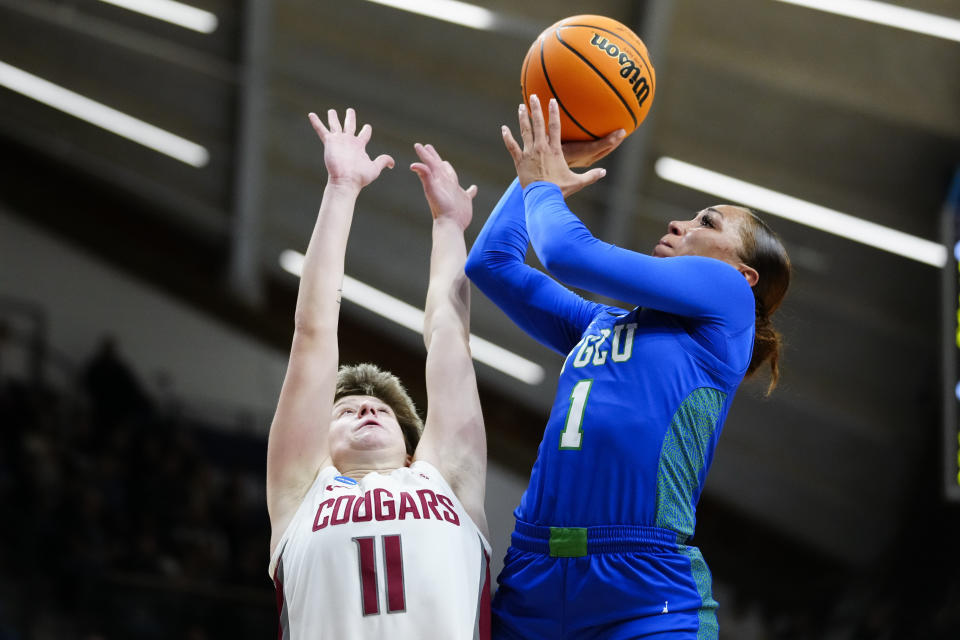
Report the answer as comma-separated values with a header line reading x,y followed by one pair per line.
x,y
690,286
453,438
546,310
297,445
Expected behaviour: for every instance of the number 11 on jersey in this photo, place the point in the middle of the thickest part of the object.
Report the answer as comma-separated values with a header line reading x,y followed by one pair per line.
x,y
572,435
393,563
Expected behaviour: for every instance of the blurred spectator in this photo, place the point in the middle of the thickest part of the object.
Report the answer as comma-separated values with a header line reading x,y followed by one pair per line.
x,y
129,524
113,387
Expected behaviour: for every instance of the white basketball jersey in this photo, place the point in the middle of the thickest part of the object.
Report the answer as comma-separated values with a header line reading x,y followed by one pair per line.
x,y
392,556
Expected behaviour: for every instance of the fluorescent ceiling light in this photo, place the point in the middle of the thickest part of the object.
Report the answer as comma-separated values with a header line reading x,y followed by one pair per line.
x,y
462,13
801,211
174,12
412,318
889,15
102,116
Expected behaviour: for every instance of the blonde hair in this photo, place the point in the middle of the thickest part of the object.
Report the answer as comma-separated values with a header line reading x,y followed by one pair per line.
x,y
366,379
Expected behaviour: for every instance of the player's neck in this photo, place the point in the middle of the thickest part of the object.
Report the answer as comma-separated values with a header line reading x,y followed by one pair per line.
x,y
358,470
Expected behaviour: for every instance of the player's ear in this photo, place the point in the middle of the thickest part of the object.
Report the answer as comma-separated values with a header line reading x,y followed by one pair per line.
x,y
749,273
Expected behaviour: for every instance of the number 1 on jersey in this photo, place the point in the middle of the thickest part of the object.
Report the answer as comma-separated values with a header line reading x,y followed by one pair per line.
x,y
573,428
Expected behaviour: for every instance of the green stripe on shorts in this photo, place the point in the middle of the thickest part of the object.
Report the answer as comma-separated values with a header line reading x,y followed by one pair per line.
x,y
708,629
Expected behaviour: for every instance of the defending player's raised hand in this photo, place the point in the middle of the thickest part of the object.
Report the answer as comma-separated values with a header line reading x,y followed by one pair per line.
x,y
541,157
453,438
447,199
344,150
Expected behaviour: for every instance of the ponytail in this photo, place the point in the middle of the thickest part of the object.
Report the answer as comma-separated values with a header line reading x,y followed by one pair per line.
x,y
767,345
763,250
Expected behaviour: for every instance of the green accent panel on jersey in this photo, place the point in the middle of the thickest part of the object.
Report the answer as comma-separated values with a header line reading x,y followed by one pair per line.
x,y
682,458
568,542
708,629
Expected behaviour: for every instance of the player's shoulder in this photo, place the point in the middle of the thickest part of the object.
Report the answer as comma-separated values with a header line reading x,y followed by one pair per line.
x,y
424,470
720,281
723,271
427,474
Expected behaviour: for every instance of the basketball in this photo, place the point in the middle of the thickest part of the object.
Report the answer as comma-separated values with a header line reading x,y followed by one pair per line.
x,y
598,70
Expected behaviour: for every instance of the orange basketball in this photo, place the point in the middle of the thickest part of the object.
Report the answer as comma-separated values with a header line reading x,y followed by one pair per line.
x,y
598,70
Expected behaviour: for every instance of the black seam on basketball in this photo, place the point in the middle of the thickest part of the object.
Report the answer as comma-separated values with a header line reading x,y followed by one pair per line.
x,y
601,76
523,75
543,65
643,59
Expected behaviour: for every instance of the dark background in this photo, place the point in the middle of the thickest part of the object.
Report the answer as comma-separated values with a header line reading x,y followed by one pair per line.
x,y
824,513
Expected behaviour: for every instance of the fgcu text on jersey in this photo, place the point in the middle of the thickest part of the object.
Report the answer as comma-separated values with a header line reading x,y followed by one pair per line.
x,y
593,350
381,504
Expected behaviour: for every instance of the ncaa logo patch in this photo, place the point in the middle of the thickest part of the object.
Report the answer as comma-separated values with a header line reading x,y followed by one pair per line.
x,y
345,480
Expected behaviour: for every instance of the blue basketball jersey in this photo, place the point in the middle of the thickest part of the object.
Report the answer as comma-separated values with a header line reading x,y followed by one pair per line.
x,y
599,547
643,393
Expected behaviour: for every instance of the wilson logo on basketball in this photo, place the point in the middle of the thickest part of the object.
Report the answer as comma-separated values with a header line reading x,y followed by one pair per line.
x,y
628,68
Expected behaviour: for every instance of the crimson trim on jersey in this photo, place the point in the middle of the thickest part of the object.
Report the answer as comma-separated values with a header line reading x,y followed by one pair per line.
x,y
483,606
283,623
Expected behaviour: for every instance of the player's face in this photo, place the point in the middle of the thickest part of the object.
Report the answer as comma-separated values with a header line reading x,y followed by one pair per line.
x,y
364,426
712,233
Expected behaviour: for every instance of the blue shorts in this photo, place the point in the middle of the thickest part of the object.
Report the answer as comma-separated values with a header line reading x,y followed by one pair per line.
x,y
612,582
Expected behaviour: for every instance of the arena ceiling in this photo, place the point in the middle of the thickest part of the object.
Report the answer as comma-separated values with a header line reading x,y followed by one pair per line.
x,y
847,114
